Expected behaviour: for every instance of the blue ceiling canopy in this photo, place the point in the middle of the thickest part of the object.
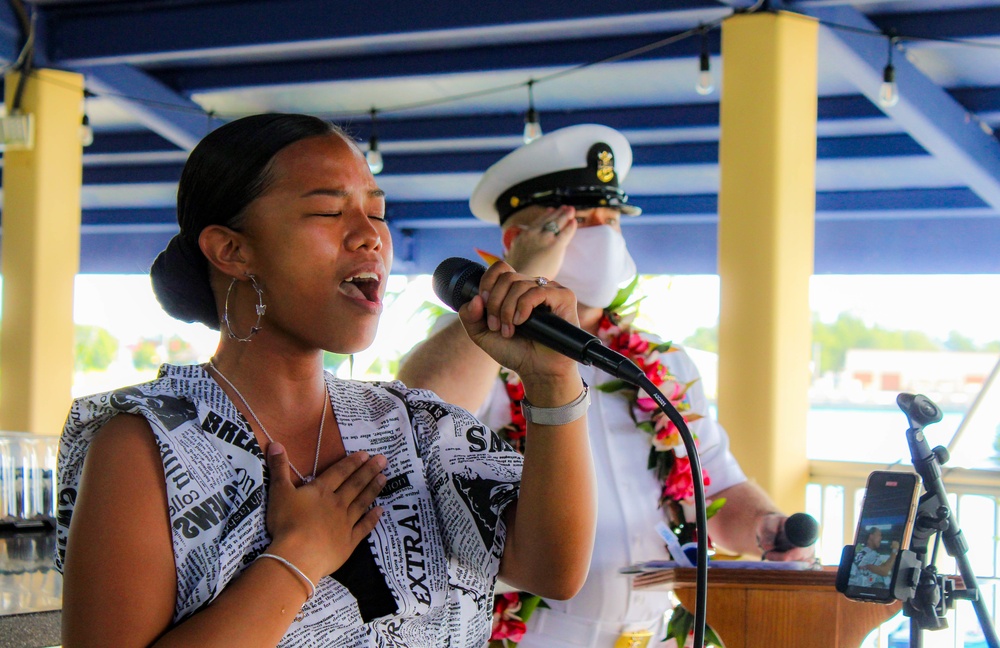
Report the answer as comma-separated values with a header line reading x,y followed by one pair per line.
x,y
910,189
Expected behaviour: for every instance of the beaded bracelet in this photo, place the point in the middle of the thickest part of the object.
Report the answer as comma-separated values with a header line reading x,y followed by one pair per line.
x,y
557,415
298,572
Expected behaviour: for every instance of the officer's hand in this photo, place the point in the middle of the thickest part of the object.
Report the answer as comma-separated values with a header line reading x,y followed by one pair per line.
x,y
539,245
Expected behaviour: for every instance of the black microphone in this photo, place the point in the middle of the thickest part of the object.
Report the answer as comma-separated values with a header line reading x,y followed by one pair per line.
x,y
456,281
799,530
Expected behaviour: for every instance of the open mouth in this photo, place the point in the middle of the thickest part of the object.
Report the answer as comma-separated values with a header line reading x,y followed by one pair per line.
x,y
363,285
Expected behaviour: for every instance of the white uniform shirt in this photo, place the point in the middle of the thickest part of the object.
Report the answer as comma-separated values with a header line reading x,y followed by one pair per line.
x,y
628,495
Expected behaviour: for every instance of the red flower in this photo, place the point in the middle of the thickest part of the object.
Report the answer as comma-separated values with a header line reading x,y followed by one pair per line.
x,y
654,370
678,485
634,343
506,623
513,629
518,425
667,435
515,390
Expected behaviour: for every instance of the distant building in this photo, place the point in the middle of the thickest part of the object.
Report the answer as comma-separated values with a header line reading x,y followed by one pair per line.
x,y
955,376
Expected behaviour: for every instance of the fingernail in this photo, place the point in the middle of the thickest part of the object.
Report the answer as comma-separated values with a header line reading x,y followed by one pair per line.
x,y
485,295
274,449
505,330
493,322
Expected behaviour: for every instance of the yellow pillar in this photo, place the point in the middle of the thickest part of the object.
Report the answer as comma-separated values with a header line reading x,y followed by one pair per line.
x,y
767,159
41,256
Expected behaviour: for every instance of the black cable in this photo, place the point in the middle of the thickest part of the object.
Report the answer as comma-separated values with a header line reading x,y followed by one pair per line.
x,y
25,61
700,512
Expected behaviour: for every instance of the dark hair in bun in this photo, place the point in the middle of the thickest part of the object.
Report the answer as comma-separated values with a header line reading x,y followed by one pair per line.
x,y
225,172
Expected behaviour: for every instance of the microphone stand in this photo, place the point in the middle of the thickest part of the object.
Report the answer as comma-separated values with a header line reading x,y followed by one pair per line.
x,y
926,595
701,516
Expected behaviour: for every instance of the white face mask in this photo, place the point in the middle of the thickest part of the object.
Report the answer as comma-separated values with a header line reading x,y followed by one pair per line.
x,y
596,265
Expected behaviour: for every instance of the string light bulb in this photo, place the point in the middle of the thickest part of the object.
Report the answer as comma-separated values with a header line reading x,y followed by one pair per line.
x,y
86,131
888,92
374,156
706,84
532,127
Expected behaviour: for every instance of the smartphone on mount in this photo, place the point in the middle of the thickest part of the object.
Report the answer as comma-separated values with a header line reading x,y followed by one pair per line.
x,y
884,529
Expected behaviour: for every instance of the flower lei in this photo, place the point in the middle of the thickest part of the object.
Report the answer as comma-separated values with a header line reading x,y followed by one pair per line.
x,y
667,456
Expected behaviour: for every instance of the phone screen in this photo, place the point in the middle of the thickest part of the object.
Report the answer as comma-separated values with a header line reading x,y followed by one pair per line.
x,y
883,531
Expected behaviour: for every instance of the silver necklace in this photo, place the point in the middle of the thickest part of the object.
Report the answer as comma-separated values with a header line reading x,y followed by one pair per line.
x,y
319,436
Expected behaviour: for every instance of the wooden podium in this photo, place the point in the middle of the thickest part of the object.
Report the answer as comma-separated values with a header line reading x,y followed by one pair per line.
x,y
753,608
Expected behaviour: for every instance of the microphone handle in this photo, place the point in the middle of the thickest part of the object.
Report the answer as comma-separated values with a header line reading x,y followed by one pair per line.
x,y
573,342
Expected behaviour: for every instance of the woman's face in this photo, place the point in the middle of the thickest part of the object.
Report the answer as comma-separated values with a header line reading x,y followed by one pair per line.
x,y
321,247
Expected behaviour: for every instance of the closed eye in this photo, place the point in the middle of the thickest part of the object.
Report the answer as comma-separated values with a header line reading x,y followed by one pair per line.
x,y
327,214
379,218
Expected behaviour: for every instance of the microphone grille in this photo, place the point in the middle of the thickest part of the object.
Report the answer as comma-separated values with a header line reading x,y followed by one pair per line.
x,y
801,529
451,278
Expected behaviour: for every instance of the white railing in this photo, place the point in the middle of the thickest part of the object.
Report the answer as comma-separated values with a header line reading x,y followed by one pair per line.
x,y
834,498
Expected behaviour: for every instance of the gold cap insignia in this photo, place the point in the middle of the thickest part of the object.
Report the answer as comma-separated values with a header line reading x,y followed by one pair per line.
x,y
605,166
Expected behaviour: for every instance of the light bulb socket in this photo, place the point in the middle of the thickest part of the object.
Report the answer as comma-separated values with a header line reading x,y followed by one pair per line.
x,y
373,142
889,74
705,56
531,117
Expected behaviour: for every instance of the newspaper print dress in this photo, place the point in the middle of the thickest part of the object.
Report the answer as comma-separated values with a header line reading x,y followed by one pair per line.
x,y
437,544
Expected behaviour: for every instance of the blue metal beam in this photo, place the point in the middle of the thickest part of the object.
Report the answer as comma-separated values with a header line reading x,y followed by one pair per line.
x,y
943,246
502,132
926,111
107,172
978,100
897,205
128,142
842,247
157,107
506,128
261,29
492,59
958,23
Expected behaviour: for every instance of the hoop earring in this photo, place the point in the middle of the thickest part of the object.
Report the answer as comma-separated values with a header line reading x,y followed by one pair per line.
x,y
260,308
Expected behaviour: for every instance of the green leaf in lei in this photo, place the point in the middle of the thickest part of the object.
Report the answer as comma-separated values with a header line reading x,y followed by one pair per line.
x,y
681,624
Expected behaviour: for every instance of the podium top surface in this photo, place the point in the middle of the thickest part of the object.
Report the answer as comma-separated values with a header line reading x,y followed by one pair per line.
x,y
720,575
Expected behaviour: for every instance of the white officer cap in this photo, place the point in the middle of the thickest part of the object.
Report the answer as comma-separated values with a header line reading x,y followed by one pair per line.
x,y
578,165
